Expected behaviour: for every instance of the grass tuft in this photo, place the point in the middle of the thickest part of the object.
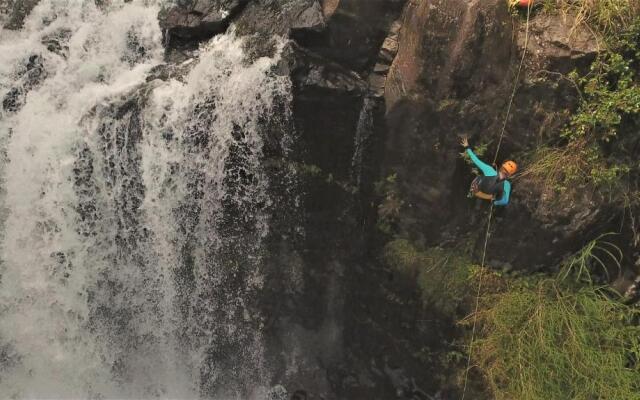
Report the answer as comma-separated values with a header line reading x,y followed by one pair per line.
x,y
540,341
603,16
598,253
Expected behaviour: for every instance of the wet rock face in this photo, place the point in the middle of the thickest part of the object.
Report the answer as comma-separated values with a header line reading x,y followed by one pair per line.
x,y
270,17
355,30
197,20
349,32
16,11
450,77
331,60
31,75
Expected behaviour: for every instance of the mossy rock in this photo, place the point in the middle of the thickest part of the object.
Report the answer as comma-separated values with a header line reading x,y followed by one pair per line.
x,y
442,275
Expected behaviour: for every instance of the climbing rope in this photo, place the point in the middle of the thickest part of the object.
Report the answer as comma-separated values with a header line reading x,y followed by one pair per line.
x,y
488,231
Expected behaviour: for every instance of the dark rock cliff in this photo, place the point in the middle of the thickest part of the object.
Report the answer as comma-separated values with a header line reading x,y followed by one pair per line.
x,y
454,75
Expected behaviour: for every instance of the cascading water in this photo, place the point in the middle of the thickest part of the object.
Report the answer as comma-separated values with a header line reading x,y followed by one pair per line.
x,y
364,131
133,212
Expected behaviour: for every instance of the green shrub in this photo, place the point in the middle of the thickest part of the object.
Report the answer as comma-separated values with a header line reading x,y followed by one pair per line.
x,y
595,257
444,279
443,276
390,204
402,256
596,149
541,342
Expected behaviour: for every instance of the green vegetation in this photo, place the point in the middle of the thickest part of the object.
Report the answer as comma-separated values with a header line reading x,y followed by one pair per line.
x,y
390,204
402,256
604,16
597,148
538,337
312,171
543,341
543,338
597,253
443,276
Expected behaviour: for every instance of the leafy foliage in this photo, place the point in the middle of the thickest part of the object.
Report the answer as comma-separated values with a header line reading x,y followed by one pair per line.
x,y
402,256
543,338
598,147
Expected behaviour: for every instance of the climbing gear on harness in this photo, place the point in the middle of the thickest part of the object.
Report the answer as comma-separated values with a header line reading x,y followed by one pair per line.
x,y
510,167
487,187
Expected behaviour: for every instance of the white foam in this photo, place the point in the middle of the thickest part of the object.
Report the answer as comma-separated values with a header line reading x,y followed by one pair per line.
x,y
55,277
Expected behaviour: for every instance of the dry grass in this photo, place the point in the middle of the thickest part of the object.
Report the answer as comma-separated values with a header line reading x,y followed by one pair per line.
x,y
603,16
556,170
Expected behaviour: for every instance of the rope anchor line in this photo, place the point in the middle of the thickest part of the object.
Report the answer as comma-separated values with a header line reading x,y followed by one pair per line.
x,y
487,233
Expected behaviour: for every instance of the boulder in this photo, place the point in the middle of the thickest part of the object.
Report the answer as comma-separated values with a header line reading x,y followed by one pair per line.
x,y
355,30
197,20
282,17
556,43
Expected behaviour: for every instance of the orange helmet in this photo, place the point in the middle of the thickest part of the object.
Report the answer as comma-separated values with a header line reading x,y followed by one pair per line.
x,y
510,167
520,3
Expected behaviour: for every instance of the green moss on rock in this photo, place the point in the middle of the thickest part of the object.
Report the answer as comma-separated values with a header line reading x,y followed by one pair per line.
x,y
442,275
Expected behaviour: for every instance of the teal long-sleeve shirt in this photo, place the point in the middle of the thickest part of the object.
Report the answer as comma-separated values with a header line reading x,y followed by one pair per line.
x,y
488,170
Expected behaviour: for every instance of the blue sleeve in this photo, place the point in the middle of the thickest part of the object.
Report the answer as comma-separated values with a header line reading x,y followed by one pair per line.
x,y
505,195
487,170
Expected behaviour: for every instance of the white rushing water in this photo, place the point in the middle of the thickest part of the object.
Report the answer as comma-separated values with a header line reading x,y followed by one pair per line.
x,y
132,213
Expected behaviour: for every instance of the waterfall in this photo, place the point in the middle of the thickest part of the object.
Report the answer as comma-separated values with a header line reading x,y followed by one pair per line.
x,y
364,132
133,209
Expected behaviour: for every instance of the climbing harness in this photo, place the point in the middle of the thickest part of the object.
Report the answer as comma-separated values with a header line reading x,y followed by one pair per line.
x,y
492,187
487,187
529,4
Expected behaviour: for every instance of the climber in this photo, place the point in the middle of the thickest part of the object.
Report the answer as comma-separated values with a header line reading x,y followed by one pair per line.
x,y
493,185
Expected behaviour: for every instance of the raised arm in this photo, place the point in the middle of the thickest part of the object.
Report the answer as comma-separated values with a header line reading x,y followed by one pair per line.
x,y
505,195
486,169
